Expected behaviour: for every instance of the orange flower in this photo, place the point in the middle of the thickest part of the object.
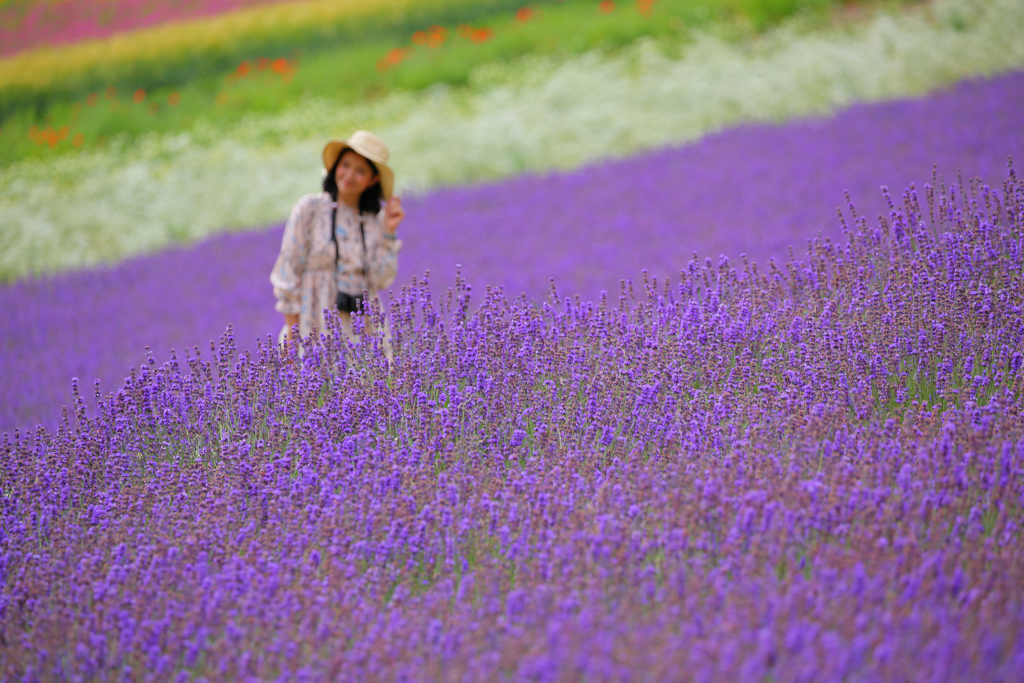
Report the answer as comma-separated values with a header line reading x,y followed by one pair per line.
x,y
392,58
645,7
174,99
47,136
139,96
243,69
283,67
482,35
262,63
438,34
91,99
606,6
419,38
78,140
524,14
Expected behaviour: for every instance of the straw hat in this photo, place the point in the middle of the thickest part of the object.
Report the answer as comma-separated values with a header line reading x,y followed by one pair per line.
x,y
370,146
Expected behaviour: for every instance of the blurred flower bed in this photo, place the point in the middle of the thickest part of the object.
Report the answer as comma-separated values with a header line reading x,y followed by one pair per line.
x,y
757,190
533,114
188,71
807,471
192,55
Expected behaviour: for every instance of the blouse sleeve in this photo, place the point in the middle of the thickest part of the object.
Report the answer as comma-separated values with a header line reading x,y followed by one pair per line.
x,y
383,260
286,276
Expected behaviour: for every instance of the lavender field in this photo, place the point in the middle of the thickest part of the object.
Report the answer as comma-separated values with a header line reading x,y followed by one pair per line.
x,y
806,469
813,473
756,190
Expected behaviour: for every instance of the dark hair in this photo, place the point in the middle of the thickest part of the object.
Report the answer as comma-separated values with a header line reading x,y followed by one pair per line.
x,y
370,199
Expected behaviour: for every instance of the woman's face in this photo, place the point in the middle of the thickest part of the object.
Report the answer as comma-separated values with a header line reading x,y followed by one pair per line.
x,y
353,175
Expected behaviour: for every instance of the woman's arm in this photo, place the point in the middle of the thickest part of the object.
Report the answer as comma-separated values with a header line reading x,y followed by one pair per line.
x,y
394,214
383,261
286,277
290,320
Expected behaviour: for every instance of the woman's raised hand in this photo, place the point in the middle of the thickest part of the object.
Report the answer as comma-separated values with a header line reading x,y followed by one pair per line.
x,y
393,215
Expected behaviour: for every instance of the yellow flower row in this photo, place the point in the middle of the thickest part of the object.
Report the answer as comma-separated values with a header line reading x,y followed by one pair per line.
x,y
39,69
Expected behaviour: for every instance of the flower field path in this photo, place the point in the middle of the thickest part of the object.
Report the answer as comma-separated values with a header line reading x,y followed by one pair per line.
x,y
757,189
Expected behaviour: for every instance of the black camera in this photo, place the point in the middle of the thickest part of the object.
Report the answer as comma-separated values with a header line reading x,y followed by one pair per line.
x,y
347,303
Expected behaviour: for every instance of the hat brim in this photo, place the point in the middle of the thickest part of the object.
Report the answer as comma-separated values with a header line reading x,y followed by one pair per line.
x,y
334,149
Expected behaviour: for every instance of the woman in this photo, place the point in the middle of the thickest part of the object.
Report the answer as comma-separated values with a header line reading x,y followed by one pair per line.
x,y
339,243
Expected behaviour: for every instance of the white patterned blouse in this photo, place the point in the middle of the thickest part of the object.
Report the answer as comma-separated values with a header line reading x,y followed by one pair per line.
x,y
305,276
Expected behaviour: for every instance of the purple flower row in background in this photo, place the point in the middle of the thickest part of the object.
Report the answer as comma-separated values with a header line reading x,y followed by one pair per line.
x,y
806,473
754,190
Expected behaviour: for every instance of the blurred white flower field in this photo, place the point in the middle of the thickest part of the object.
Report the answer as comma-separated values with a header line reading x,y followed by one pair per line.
x,y
532,115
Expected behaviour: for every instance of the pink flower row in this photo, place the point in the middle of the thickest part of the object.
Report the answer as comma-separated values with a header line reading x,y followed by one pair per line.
x,y
27,25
